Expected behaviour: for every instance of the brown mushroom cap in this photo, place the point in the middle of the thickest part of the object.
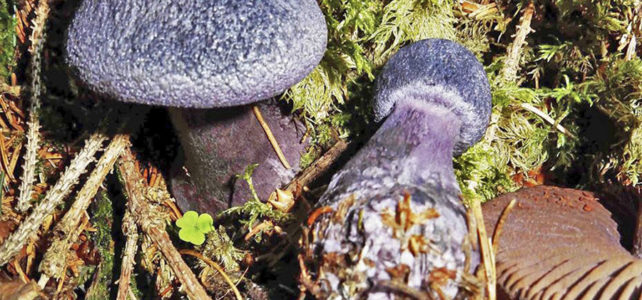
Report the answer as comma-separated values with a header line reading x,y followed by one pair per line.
x,y
559,242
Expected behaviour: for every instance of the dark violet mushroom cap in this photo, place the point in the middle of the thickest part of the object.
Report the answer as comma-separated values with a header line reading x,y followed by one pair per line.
x,y
438,71
195,53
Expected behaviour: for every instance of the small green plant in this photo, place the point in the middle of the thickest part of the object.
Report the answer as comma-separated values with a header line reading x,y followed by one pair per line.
x,y
194,227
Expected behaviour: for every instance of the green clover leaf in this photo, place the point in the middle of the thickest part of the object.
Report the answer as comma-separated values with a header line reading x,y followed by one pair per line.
x,y
194,227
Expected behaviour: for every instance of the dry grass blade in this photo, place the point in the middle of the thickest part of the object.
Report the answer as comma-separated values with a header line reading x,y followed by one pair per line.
x,y
500,225
270,136
488,257
140,209
53,198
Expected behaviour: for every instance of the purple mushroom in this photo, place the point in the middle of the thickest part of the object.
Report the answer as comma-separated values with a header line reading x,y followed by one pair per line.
x,y
192,55
396,214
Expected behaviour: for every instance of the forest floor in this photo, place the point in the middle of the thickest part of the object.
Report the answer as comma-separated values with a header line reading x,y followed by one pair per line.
x,y
86,211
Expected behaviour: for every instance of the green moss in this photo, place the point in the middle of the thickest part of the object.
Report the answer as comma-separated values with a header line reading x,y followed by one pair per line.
x,y
362,34
7,40
102,218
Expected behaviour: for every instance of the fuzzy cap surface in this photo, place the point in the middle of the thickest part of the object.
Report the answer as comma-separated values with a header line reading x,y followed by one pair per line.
x,y
442,71
195,53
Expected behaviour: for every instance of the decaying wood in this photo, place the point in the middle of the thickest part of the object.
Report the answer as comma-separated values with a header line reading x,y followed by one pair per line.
x,y
144,215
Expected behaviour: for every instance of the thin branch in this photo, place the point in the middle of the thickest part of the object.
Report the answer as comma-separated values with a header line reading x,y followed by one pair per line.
x,y
270,136
144,215
127,266
54,260
9,89
320,166
53,198
38,37
511,64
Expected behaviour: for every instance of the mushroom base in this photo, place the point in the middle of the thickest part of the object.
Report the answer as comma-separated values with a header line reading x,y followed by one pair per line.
x,y
396,224
219,144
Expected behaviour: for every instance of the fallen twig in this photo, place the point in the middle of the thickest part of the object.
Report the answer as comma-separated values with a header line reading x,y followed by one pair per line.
x,y
511,64
320,166
143,214
9,89
38,37
53,198
127,266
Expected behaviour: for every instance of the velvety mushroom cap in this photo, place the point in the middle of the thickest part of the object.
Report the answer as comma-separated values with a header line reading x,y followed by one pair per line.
x,y
195,53
439,71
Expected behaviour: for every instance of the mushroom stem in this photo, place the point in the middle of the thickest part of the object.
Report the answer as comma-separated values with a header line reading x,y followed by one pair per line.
x,y
420,136
409,157
219,144
270,137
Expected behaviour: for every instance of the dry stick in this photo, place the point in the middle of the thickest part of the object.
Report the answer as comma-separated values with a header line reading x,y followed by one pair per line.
x,y
54,261
38,36
511,64
218,268
488,258
319,166
129,254
140,209
270,137
53,198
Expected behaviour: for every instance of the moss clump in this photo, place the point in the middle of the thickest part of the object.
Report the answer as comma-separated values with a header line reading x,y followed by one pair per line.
x,y
7,40
102,237
361,37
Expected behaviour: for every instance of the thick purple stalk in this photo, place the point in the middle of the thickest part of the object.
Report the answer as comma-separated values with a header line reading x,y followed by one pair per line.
x,y
409,156
219,144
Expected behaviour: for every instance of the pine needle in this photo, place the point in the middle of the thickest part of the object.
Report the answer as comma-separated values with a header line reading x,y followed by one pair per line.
x,y
270,136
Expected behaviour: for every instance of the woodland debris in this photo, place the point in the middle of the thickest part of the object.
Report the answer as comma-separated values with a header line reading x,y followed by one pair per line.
x,y
38,38
144,215
129,254
53,198
53,263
